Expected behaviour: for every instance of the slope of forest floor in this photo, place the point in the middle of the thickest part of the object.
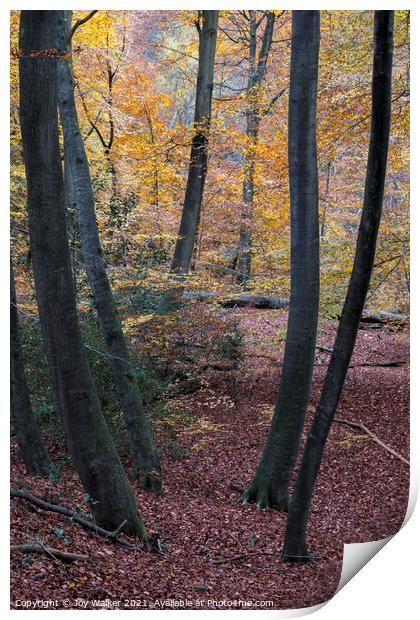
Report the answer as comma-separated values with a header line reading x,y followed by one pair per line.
x,y
361,493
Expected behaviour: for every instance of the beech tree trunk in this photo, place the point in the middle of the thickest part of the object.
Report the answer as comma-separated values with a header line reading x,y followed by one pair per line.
x,y
143,452
184,247
269,487
295,546
26,428
89,441
256,74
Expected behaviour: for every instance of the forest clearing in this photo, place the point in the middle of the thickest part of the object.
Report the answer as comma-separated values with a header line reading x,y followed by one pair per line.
x,y
209,287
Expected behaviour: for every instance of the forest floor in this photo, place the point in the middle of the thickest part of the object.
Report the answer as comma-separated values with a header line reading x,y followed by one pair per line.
x,y
361,493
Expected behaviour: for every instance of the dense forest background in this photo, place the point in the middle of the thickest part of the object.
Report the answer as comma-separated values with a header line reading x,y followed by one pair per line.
x,y
135,90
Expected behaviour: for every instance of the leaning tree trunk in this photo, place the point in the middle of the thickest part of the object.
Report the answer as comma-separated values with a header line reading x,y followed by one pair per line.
x,y
257,71
269,487
143,452
198,159
26,428
295,546
88,438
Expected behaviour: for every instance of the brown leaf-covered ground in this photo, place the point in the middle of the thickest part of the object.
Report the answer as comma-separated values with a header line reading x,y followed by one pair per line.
x,y
361,493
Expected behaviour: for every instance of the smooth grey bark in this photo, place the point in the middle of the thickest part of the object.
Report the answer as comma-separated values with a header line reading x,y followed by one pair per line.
x,y
295,546
88,438
184,247
25,425
269,487
256,73
144,457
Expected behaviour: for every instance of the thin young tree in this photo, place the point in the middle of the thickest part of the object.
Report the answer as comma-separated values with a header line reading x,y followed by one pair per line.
x,y
256,72
144,457
88,438
106,132
295,546
26,428
269,487
207,32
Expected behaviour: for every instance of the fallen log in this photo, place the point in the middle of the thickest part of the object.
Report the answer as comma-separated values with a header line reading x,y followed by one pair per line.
x,y
64,556
244,300
254,301
383,318
198,295
40,503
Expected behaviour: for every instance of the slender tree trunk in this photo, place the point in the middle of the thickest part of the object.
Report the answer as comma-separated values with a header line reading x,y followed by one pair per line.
x,y
198,158
243,264
89,441
26,428
269,487
143,452
256,74
295,540
324,210
72,228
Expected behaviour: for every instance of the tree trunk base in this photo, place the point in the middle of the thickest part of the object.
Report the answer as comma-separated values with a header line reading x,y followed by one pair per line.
x,y
150,480
264,497
302,557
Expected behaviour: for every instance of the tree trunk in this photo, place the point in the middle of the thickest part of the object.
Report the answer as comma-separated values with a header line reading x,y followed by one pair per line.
x,y
89,441
243,264
198,159
295,539
26,428
255,77
269,487
143,452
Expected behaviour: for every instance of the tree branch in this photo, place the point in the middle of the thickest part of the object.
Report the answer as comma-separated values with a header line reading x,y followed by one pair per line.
x,y
372,436
40,503
80,22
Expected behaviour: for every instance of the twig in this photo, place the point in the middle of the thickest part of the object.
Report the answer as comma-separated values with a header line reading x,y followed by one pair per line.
x,y
47,550
56,554
372,436
118,530
324,349
384,364
243,555
257,553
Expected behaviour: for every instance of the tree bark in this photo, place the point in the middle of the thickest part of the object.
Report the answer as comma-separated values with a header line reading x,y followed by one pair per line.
x,y
295,538
143,452
198,159
269,487
26,428
88,438
255,77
